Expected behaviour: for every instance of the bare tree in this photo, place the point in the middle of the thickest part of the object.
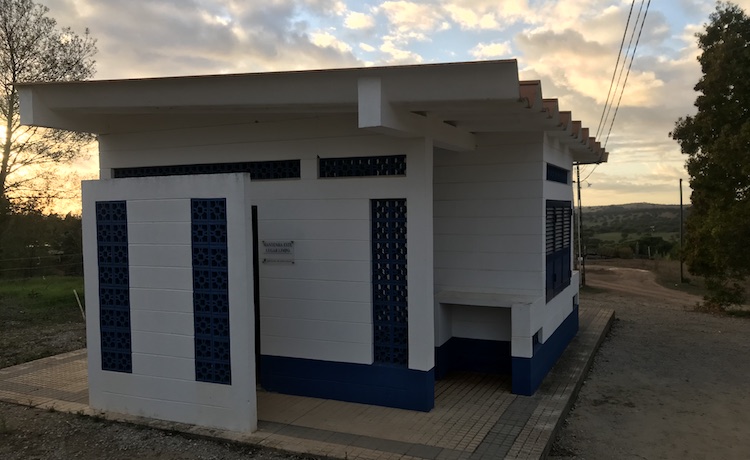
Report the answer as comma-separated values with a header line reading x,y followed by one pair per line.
x,y
34,49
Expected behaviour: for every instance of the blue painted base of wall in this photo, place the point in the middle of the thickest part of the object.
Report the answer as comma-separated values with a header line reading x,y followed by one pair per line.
x,y
528,373
373,384
460,354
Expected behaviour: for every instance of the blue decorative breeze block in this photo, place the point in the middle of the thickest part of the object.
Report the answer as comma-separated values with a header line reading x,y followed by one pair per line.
x,y
390,165
114,285
558,174
211,290
389,282
259,170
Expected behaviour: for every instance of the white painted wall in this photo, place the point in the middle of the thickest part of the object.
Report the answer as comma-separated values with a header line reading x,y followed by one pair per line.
x,y
320,307
549,317
487,219
490,237
541,316
162,384
489,229
485,323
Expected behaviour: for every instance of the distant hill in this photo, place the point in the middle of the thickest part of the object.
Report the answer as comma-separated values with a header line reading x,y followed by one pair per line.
x,y
633,218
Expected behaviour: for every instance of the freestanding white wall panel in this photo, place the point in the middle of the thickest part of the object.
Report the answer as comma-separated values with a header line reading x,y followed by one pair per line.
x,y
163,380
320,307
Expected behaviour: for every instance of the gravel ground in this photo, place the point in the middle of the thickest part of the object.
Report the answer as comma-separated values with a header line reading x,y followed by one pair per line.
x,y
39,342
668,382
28,434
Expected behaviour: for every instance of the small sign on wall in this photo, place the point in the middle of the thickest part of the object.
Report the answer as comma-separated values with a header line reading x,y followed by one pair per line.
x,y
278,252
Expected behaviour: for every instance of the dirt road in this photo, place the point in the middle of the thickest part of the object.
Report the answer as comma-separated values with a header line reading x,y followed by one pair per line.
x,y
640,283
667,383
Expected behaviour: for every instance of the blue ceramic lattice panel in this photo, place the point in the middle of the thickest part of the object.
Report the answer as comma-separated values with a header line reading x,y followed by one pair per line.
x,y
259,170
558,174
389,282
211,290
114,285
391,165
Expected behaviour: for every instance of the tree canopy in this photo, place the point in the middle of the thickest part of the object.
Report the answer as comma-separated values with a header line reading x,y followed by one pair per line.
x,y
717,140
34,49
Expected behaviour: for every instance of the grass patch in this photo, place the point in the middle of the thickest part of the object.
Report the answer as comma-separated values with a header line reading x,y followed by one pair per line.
x,y
39,317
739,313
40,301
611,236
591,290
4,428
616,237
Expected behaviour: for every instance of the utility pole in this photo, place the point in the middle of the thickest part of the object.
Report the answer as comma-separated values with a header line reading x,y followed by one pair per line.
x,y
581,258
682,257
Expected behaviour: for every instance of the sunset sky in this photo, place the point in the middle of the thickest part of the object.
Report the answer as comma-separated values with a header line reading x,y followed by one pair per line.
x,y
571,46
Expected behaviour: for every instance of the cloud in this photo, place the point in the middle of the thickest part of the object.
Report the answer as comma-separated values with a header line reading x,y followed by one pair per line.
x,y
571,46
397,55
611,185
411,20
169,37
326,7
470,19
327,40
489,14
492,50
575,60
359,21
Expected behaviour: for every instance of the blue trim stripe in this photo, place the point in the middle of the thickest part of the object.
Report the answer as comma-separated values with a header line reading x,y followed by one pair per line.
x,y
528,373
460,354
211,290
367,384
114,285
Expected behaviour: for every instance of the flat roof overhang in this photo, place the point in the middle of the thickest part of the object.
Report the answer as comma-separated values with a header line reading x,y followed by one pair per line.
x,y
450,103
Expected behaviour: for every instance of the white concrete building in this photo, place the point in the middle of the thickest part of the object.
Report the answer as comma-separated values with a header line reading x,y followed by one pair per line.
x,y
349,234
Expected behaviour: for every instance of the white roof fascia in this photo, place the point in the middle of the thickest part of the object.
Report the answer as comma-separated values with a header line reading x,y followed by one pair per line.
x,y
449,103
280,91
377,113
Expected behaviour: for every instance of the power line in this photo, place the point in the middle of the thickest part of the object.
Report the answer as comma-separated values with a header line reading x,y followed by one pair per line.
x,y
592,172
605,114
624,62
643,22
614,72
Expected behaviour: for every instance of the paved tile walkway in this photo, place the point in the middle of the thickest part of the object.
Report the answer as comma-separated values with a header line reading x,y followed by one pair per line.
x,y
475,416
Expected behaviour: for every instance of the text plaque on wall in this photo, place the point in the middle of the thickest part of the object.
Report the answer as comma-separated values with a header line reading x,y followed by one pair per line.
x,y
278,251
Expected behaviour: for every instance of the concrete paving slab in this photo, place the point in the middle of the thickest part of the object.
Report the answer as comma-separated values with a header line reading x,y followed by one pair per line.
x,y
475,416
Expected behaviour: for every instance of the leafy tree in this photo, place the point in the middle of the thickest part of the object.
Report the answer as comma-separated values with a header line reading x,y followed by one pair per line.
x,y
33,48
33,244
717,140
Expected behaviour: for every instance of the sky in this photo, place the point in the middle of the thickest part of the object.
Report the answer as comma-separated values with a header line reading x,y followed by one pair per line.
x,y
571,46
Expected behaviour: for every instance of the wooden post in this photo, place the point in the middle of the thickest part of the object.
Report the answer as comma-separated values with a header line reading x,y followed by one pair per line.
x,y
581,257
682,257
